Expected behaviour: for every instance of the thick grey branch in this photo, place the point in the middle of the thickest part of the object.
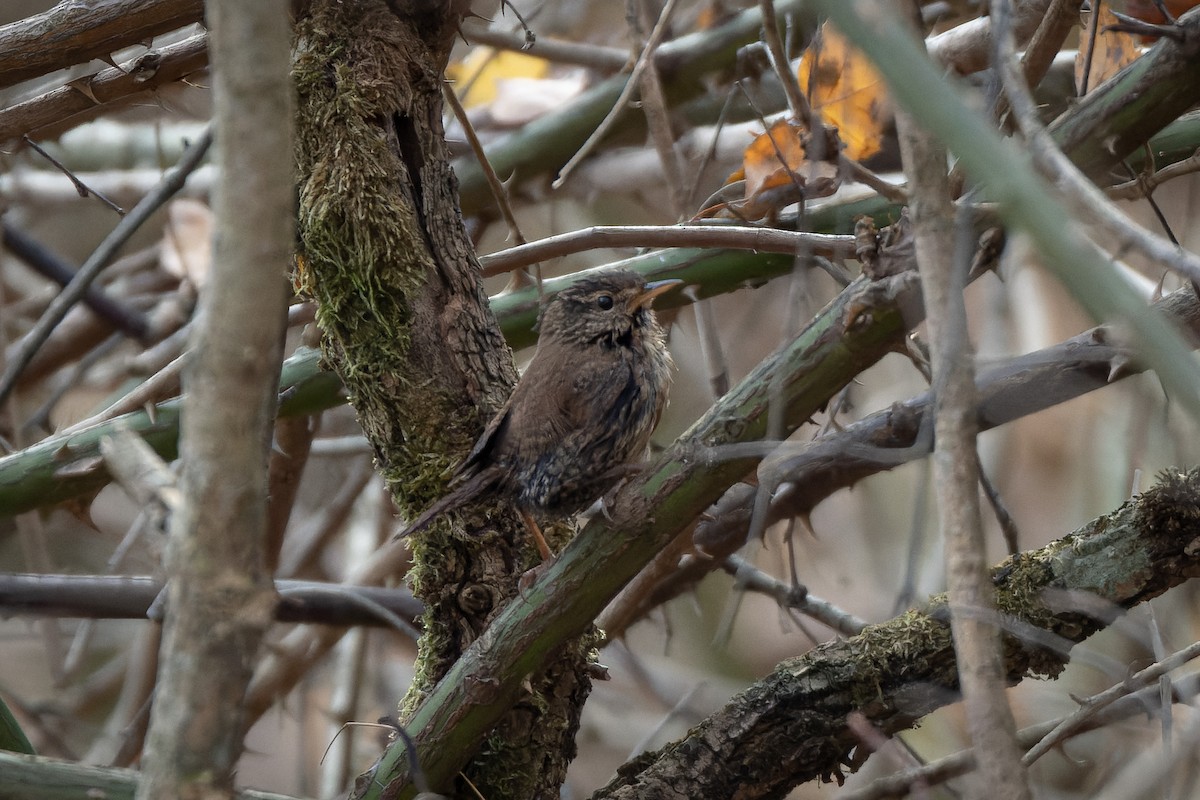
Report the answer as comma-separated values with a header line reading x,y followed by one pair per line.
x,y
71,33
791,727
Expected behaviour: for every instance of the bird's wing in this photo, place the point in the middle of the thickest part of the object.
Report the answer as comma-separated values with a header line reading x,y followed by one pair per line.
x,y
599,400
495,432
545,408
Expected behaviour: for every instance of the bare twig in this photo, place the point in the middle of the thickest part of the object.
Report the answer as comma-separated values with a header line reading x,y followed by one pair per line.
x,y
219,597
1142,186
82,188
1008,525
1073,723
158,386
1131,704
793,596
943,268
710,152
142,474
1061,18
585,55
33,254
966,48
658,120
498,190
709,336
308,541
129,597
797,102
70,381
285,466
739,237
98,260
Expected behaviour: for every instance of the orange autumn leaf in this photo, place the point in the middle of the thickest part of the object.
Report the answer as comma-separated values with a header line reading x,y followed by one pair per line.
x,y
1113,51
846,90
778,169
762,166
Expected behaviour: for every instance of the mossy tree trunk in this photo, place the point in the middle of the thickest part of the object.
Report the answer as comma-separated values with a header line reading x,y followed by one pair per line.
x,y
407,326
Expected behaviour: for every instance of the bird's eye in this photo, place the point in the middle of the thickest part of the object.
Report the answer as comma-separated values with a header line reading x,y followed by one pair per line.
x,y
604,302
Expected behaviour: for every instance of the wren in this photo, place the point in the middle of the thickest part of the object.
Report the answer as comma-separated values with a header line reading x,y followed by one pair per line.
x,y
582,412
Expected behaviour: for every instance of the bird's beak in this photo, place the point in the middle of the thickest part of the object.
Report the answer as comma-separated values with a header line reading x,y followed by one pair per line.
x,y
652,290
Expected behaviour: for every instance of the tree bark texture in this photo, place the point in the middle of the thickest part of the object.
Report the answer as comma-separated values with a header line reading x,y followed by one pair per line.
x,y
74,32
49,115
220,598
408,328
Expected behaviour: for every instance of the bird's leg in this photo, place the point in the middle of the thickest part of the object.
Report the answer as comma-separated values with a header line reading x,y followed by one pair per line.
x,y
536,533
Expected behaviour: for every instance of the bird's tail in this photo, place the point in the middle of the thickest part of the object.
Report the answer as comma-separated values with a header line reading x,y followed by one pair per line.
x,y
451,501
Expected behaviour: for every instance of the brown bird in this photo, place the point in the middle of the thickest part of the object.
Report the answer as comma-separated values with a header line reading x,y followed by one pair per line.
x,y
583,410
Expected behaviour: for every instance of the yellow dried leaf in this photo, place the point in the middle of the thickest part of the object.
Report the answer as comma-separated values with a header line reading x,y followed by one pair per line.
x,y
479,73
846,90
1112,52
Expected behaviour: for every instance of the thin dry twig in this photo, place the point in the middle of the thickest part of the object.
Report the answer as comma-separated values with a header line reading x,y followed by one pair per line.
x,y
32,253
69,381
977,644
1074,722
658,120
494,183
81,187
1141,186
138,469
793,596
306,543
738,237
158,386
1061,17
957,764
631,87
609,59
171,183
797,102
709,339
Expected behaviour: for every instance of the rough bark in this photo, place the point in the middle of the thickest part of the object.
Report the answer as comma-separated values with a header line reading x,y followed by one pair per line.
x,y
408,329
